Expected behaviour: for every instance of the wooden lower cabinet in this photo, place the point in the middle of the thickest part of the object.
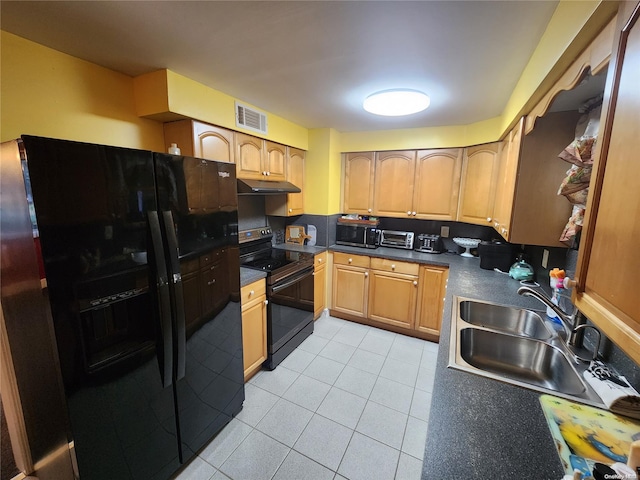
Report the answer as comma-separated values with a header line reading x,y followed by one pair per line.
x,y
405,297
254,327
433,289
350,284
319,284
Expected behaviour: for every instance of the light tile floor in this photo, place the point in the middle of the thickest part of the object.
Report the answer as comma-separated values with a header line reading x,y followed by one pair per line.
x,y
352,402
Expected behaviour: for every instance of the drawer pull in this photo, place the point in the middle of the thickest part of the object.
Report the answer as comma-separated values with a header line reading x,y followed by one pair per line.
x,y
266,302
393,266
211,282
366,274
350,260
251,292
415,282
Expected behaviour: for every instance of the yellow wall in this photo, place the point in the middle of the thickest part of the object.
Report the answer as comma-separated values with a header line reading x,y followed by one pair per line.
x,y
323,172
165,95
48,93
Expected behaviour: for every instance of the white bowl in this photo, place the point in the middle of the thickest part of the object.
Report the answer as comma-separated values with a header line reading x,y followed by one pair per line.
x,y
468,244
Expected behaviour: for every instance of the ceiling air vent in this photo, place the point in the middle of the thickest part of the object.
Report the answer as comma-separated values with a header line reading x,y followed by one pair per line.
x,y
250,119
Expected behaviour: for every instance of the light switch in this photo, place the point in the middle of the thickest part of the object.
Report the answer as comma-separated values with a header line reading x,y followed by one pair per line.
x,y
444,232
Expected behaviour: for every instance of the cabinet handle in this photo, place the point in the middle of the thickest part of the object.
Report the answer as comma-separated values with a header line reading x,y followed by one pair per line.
x,y
413,214
290,210
264,173
211,282
409,213
251,292
268,173
488,219
369,210
415,282
319,260
393,266
350,260
366,274
266,302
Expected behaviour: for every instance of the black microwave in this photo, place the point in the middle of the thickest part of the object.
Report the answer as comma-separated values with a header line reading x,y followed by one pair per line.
x,y
357,235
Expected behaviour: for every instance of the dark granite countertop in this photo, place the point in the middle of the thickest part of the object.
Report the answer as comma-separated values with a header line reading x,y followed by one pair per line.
x,y
249,275
479,428
300,248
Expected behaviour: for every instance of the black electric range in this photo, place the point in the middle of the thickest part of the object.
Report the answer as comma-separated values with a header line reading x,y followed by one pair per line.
x,y
289,291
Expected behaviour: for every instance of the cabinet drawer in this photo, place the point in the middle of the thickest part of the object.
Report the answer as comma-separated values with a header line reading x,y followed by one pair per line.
x,y
320,260
387,265
211,257
189,266
253,291
349,259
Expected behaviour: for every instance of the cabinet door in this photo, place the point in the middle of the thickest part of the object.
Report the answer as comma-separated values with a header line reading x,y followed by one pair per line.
x,y
608,260
437,184
433,286
479,177
359,171
275,164
350,290
506,184
319,290
295,174
249,157
393,190
290,204
254,336
392,298
213,143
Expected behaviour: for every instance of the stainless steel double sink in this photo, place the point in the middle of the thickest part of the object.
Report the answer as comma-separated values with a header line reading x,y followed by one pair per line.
x,y
516,346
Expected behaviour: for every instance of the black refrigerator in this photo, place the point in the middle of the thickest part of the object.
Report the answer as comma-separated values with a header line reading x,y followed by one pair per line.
x,y
140,255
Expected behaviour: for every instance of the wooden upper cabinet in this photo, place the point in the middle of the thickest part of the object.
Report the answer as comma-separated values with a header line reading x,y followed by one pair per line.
x,y
250,153
437,183
275,161
506,184
478,188
197,139
289,204
393,186
359,171
608,262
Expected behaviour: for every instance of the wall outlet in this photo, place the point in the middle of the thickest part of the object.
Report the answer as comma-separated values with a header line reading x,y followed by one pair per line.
x,y
444,232
545,258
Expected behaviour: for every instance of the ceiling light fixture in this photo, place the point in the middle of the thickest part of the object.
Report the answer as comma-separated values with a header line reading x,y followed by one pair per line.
x,y
397,102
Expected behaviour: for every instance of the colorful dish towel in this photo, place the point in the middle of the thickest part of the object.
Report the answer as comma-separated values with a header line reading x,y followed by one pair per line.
x,y
614,390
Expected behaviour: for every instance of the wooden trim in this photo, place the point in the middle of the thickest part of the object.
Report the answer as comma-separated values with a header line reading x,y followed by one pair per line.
x,y
12,404
595,57
384,326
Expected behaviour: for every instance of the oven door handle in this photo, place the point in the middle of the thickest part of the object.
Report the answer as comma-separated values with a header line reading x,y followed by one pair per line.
x,y
292,281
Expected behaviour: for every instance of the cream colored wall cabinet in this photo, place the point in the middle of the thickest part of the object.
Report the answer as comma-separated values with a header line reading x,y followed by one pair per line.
x,y
197,139
608,262
359,171
479,179
319,284
254,327
350,284
290,204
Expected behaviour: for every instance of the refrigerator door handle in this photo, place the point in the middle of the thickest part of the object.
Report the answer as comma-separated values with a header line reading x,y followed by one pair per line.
x,y
159,268
176,293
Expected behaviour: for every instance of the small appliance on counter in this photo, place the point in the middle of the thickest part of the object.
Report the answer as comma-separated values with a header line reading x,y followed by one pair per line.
x,y
357,233
429,243
467,244
396,239
521,270
496,254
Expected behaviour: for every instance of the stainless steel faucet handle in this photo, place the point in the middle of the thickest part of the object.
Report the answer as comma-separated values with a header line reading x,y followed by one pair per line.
x,y
596,349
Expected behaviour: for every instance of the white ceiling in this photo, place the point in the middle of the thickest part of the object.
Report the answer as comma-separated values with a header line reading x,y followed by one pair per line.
x,y
311,62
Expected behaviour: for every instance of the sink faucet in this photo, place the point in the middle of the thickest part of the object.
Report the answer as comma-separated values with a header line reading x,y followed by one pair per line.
x,y
573,324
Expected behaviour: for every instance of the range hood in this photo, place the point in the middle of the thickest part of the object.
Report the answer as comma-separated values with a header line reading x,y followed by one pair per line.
x,y
264,187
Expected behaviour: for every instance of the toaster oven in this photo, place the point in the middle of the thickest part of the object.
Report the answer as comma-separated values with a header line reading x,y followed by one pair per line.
x,y
396,239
